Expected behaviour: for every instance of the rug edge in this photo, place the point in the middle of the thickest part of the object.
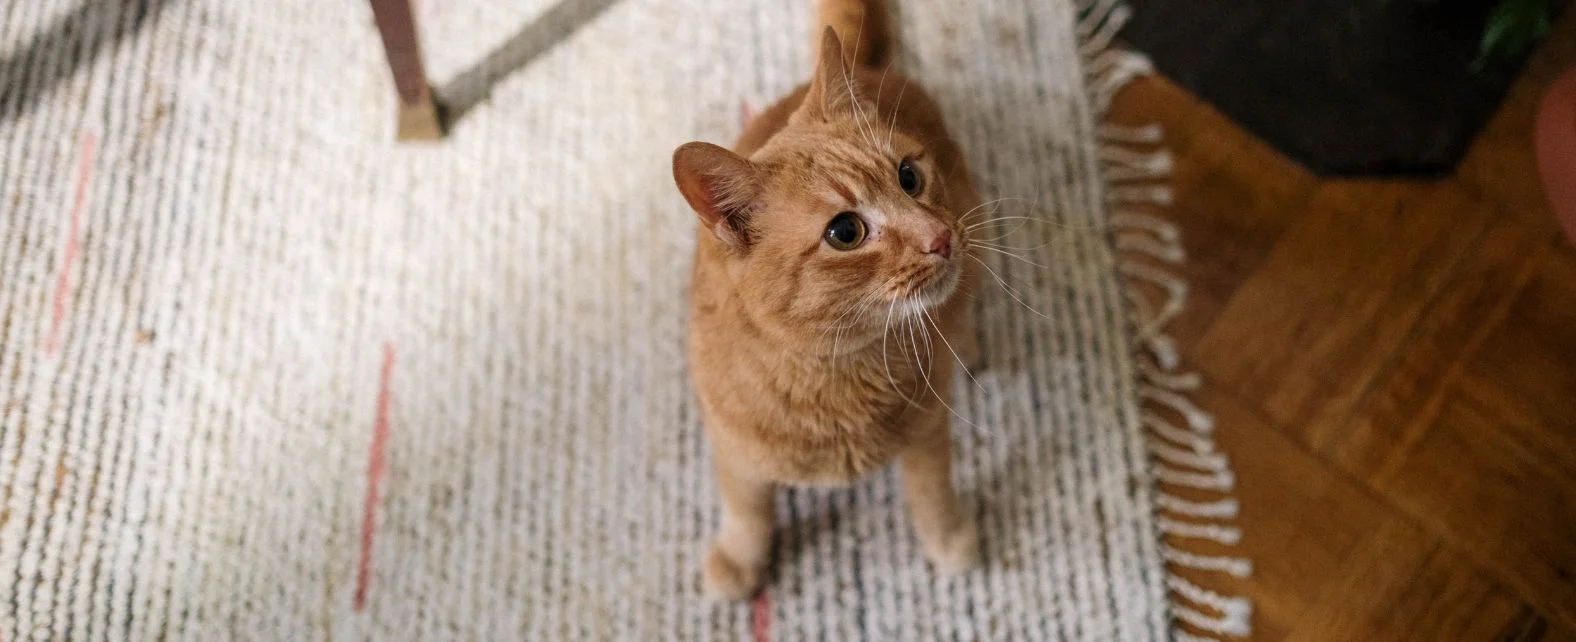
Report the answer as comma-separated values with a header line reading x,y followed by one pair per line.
x,y
1135,170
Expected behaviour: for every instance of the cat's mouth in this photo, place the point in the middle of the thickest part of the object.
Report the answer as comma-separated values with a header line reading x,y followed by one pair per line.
x,y
935,288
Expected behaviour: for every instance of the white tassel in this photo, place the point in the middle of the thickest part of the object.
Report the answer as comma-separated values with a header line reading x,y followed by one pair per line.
x,y
1150,246
1142,134
1175,289
1197,419
1211,623
1135,174
1151,194
1118,156
1233,566
1147,333
1105,31
1095,14
1174,381
1236,614
1164,350
1208,462
1219,509
1221,481
1162,428
1108,64
1182,457
1228,535
1161,228
1179,635
1143,312
1112,70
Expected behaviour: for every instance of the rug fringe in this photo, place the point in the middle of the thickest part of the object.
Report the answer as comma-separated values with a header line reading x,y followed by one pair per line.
x,y
1136,169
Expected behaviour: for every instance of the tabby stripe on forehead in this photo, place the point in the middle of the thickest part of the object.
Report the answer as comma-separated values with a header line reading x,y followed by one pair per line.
x,y
844,191
875,176
854,170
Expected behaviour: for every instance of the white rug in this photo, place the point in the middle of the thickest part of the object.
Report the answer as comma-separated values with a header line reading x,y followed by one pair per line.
x,y
237,323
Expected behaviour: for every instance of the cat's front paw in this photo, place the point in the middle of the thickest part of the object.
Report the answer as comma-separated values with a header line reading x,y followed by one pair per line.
x,y
722,578
958,551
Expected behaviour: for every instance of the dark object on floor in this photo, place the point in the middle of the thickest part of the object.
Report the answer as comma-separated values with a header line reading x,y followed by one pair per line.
x,y
474,85
419,116
1343,86
31,71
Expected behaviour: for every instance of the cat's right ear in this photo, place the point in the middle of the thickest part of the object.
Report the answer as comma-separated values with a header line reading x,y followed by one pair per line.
x,y
721,186
831,87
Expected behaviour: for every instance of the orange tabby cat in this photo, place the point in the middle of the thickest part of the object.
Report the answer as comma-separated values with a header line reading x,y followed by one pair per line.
x,y
831,297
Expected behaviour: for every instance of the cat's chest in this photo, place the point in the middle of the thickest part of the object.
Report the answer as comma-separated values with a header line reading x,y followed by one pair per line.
x,y
823,426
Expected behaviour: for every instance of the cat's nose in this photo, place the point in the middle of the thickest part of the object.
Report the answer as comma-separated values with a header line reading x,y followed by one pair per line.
x,y
942,245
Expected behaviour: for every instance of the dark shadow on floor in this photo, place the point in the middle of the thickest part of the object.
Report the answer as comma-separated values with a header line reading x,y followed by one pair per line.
x,y
56,53
1345,87
474,85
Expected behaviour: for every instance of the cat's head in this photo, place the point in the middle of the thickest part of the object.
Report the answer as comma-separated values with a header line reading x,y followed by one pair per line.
x,y
837,220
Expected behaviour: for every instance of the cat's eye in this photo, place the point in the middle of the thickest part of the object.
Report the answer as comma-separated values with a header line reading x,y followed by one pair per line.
x,y
909,179
845,232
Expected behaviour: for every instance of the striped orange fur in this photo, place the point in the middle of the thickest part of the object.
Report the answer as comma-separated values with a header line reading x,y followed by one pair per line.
x,y
814,364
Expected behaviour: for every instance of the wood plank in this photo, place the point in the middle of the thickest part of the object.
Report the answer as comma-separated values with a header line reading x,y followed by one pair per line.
x,y
1505,504
1400,583
1328,310
1333,561
1492,470
1527,369
1408,398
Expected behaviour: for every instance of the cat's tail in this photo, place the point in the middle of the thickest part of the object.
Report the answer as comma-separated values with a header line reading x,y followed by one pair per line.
x,y
864,26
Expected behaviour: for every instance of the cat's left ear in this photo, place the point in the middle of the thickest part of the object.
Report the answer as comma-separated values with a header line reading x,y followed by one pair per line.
x,y
831,88
721,186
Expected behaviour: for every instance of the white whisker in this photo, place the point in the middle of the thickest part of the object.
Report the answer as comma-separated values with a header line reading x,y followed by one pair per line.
x,y
1010,254
991,242
862,304
846,308
1026,219
926,376
860,120
881,86
892,125
887,330
919,363
977,208
1007,288
955,356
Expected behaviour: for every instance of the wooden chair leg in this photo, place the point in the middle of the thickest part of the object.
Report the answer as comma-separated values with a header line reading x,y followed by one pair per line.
x,y
419,114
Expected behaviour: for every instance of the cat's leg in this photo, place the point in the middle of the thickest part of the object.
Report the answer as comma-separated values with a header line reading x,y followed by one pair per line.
x,y
738,557
946,531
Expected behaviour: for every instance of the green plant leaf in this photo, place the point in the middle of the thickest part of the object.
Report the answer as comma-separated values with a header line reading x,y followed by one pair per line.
x,y
1513,28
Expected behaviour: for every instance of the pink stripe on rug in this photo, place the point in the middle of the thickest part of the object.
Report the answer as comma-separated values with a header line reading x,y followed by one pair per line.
x,y
63,279
761,618
380,438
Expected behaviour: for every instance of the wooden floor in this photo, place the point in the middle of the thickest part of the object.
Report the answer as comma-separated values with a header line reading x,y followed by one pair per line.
x,y
1393,369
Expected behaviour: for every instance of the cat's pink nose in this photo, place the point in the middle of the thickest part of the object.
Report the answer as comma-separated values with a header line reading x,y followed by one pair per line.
x,y
942,245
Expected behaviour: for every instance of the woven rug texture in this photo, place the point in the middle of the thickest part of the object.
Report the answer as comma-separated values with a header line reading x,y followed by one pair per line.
x,y
266,374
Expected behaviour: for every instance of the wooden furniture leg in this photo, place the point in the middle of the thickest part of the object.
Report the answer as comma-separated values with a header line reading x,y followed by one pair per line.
x,y
419,114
